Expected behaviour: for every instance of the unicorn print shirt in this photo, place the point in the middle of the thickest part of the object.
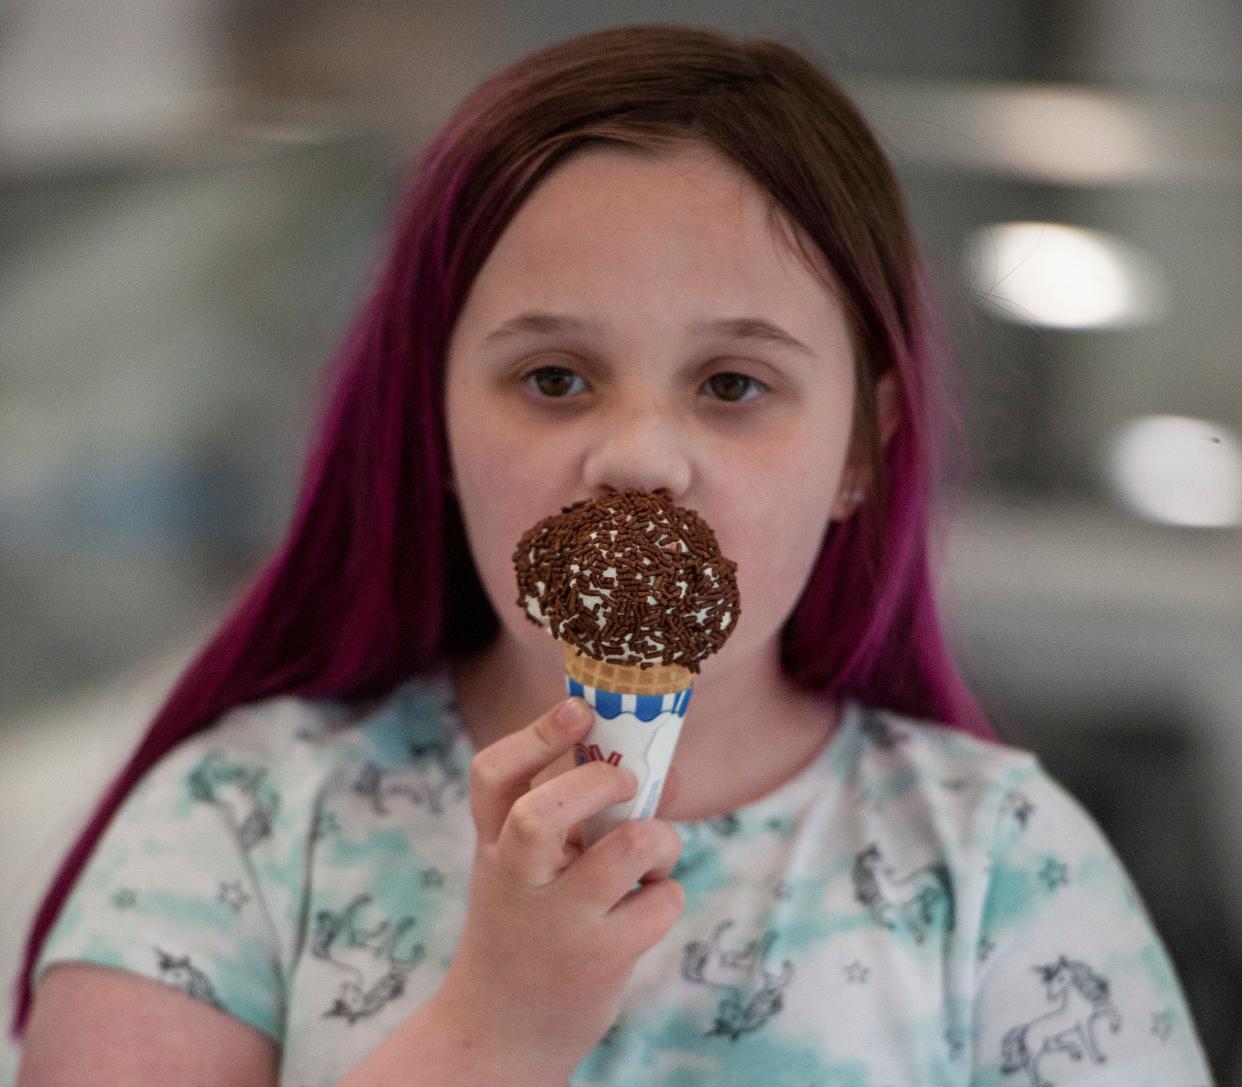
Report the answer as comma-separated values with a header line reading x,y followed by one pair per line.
x,y
915,908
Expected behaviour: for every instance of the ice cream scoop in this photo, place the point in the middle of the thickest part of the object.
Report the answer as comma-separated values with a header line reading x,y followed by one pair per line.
x,y
638,590
629,578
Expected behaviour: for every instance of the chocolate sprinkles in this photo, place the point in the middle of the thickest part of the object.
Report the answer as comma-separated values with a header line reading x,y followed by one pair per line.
x,y
630,578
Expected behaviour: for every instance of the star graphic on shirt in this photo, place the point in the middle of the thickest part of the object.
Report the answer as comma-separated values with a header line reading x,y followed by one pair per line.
x,y
856,973
326,823
233,895
1053,874
432,877
783,891
1018,806
1162,1024
124,899
955,1039
986,947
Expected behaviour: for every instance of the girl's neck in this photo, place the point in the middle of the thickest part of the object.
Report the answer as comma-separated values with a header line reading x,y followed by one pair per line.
x,y
749,729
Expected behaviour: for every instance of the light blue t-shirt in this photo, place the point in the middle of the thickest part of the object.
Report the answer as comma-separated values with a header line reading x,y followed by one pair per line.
x,y
915,908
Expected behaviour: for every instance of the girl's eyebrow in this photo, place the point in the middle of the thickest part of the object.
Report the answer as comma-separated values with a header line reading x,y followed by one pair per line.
x,y
754,329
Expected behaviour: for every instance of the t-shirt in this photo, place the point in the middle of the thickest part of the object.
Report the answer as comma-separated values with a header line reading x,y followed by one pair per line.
x,y
915,907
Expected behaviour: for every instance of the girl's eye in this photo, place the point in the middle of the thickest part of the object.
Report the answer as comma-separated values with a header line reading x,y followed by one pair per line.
x,y
552,381
734,388
559,383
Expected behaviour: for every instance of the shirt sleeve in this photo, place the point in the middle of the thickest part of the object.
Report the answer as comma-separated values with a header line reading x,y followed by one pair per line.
x,y
1074,986
173,891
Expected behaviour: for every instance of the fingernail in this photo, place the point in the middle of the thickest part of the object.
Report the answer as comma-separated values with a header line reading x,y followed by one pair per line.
x,y
571,712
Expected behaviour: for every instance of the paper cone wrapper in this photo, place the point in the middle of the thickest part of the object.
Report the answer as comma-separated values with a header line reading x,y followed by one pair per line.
x,y
638,717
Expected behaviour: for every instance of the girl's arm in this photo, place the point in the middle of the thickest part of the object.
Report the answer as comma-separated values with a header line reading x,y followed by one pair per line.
x,y
1074,984
94,1024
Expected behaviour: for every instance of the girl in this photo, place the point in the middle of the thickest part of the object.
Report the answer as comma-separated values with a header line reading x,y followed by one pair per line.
x,y
653,258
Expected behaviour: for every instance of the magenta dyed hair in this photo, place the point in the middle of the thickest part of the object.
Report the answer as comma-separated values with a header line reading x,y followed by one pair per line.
x,y
374,582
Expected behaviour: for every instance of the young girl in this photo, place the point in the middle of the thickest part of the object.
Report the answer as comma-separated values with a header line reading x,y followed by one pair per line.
x,y
650,258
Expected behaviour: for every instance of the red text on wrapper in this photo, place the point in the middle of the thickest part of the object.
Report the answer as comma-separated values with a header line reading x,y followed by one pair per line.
x,y
584,754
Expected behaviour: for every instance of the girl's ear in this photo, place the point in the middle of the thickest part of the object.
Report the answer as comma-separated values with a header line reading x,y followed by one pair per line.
x,y
888,404
854,480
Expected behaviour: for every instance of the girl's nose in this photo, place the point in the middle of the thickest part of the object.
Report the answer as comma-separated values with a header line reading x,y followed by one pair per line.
x,y
644,449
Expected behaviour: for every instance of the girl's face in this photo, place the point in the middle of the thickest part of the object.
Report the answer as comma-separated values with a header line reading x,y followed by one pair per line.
x,y
642,322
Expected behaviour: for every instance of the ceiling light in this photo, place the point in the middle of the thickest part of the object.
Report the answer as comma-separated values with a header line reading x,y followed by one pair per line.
x,y
1061,277
1179,470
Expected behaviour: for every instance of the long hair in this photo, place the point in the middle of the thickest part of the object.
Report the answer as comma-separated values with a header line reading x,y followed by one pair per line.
x,y
373,583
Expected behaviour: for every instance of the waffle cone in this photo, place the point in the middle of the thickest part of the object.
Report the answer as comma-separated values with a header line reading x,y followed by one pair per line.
x,y
626,678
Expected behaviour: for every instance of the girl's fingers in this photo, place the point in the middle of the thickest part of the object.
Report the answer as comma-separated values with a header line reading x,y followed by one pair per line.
x,y
645,915
502,772
641,851
534,841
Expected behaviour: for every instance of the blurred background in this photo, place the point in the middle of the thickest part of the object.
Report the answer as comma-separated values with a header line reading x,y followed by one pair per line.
x,y
193,192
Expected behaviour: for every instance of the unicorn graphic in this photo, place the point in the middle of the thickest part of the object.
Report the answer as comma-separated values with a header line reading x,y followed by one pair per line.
x,y
376,959
434,776
187,977
1080,997
914,900
753,994
240,793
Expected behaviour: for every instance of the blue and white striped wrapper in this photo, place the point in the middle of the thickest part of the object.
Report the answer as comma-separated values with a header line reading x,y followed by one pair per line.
x,y
646,707
637,731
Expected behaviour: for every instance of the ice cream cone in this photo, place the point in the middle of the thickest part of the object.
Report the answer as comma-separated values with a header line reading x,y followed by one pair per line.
x,y
631,577
638,718
626,678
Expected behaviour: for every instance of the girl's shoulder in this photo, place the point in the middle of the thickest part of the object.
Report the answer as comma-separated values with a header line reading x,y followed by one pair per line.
x,y
297,736
968,788
885,737
924,766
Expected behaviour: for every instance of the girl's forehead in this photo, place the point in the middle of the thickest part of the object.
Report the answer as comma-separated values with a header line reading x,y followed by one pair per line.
x,y
599,185
613,221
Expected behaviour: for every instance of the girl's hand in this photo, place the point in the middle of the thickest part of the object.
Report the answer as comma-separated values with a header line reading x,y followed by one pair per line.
x,y
553,933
